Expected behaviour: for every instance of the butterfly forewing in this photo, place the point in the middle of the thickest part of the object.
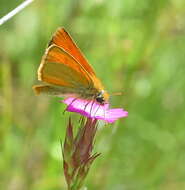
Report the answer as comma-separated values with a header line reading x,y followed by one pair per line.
x,y
59,68
62,39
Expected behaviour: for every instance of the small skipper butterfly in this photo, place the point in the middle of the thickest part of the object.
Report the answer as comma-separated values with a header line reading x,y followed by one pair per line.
x,y
65,71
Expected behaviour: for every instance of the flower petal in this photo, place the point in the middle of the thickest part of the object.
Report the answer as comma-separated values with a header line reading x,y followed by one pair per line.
x,y
92,109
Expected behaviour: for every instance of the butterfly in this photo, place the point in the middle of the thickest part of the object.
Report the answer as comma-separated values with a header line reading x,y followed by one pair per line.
x,y
65,72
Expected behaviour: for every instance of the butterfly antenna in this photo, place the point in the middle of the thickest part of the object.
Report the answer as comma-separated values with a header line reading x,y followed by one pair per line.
x,y
116,94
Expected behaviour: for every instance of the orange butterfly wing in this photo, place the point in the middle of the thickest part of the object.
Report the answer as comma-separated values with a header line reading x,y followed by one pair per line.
x,y
60,68
65,67
62,39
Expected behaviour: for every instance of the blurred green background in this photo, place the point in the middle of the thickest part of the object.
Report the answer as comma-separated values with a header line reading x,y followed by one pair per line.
x,y
137,47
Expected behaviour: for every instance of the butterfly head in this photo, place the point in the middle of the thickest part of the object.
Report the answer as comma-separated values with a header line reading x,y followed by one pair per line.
x,y
102,97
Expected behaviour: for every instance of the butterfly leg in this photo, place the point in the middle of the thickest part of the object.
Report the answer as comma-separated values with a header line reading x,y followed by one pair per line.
x,y
69,105
97,110
92,106
86,105
81,120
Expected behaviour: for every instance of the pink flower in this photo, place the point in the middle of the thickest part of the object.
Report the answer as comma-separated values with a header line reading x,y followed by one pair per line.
x,y
94,110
